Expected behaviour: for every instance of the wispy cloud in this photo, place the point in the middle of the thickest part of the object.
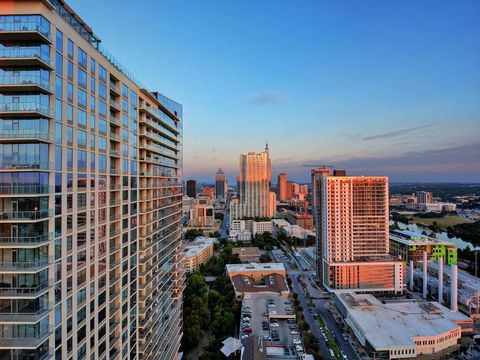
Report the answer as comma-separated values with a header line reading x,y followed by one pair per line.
x,y
398,133
268,98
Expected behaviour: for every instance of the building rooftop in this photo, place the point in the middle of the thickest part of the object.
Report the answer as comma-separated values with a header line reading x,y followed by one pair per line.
x,y
197,246
247,251
255,267
271,283
280,222
408,237
398,322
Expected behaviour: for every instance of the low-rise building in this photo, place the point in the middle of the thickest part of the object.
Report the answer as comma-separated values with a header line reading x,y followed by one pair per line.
x,y
187,203
411,245
297,231
255,227
240,236
197,252
436,207
248,254
401,329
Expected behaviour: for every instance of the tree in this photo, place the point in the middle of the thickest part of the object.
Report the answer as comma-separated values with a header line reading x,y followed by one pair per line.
x,y
265,258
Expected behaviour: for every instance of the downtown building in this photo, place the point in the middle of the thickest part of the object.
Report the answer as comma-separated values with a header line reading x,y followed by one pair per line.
x,y
221,186
90,197
352,222
254,198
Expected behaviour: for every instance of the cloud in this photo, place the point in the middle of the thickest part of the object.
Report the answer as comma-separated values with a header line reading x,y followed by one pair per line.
x,y
268,98
397,133
449,163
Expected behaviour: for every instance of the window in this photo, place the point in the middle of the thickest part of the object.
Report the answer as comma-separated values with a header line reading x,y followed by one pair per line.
x,y
69,135
58,110
81,138
92,122
58,87
82,77
102,108
102,143
82,160
69,159
58,158
70,70
124,90
92,103
102,73
59,63
82,97
102,162
102,90
102,126
81,118
58,133
69,113
92,66
92,161
69,91
59,41
82,58
92,142
70,48
92,84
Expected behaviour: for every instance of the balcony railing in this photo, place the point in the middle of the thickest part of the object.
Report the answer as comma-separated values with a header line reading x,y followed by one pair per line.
x,y
13,53
25,189
26,315
23,165
25,215
25,107
27,134
25,27
27,342
25,290
25,80
25,265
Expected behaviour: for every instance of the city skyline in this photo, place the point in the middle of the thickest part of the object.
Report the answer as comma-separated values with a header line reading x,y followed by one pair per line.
x,y
390,89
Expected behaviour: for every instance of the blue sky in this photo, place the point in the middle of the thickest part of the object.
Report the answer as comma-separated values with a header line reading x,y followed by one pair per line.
x,y
378,87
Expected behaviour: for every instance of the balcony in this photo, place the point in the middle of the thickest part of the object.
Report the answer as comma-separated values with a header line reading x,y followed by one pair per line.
x,y
24,31
25,165
30,316
114,105
25,242
13,56
29,190
159,115
25,83
114,89
26,135
25,266
25,215
114,121
31,292
26,342
25,109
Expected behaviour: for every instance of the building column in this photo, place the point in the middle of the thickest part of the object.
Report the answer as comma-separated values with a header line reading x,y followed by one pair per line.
x,y
440,279
411,275
425,275
454,288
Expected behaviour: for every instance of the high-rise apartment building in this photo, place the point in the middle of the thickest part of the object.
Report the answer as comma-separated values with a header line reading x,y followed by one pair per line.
x,y
253,187
90,196
351,214
424,197
192,188
282,187
221,186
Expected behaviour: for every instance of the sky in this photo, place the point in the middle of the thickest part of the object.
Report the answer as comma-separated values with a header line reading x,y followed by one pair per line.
x,y
376,87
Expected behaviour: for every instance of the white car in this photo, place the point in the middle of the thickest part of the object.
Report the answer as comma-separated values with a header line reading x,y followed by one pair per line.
x,y
274,324
294,332
297,342
298,348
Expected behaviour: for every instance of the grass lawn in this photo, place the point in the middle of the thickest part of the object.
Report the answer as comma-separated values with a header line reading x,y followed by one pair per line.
x,y
444,222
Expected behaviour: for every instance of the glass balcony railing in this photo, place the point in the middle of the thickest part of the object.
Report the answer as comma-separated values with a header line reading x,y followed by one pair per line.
x,y
28,340
25,27
26,240
24,265
25,80
25,107
27,134
23,53
24,165
32,290
25,189
25,215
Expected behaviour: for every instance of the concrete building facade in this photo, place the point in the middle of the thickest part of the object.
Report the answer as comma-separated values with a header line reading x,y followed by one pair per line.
x,y
282,187
90,196
197,252
351,214
221,186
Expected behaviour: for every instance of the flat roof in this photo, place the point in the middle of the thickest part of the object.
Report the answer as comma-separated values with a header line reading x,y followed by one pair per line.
x,y
197,246
247,251
255,267
398,323
272,283
408,237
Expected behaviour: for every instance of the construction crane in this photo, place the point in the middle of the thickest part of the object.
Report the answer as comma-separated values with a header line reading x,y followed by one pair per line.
x,y
317,165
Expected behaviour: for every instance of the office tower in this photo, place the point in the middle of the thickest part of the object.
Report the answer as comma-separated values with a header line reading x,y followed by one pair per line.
x,y
202,213
351,216
253,187
221,185
90,196
424,197
282,187
192,188
209,191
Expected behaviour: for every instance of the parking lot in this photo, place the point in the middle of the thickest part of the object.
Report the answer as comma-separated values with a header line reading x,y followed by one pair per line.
x,y
273,326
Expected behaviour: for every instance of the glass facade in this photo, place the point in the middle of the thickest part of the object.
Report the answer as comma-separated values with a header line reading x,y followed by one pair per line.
x,y
90,199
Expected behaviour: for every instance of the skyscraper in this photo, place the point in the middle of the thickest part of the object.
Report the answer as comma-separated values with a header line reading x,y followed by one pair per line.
x,y
351,216
192,188
282,187
253,187
220,185
90,196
